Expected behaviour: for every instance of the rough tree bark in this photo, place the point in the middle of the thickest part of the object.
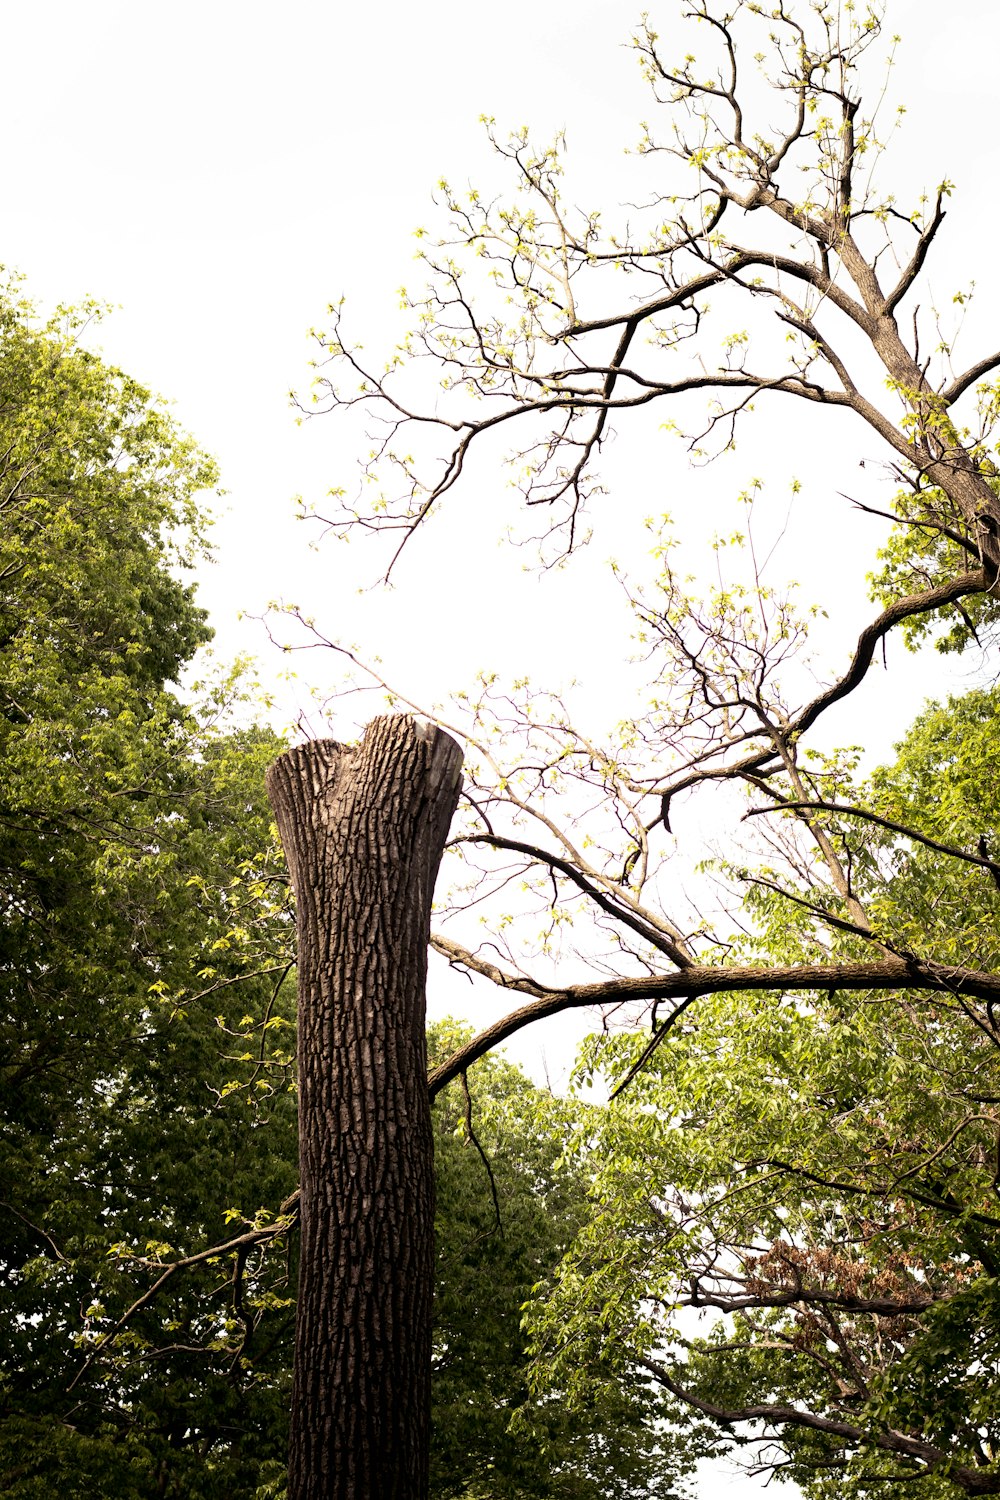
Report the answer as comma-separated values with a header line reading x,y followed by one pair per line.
x,y
364,828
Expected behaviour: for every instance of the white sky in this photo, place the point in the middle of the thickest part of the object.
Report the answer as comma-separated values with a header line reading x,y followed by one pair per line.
x,y
223,171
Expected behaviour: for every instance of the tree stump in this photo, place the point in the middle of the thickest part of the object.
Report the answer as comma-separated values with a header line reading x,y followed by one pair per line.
x,y
363,829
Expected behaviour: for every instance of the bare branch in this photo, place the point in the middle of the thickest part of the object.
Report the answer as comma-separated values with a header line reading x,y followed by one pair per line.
x,y
975,582
847,810
916,264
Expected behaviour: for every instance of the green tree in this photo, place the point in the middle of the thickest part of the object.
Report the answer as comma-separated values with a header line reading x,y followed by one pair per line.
x,y
509,1206
146,1039
142,1097
806,1234
538,345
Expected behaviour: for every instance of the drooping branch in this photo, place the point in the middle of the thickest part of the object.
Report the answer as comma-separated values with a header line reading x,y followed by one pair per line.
x,y
888,1439
614,902
659,1036
870,1189
238,1245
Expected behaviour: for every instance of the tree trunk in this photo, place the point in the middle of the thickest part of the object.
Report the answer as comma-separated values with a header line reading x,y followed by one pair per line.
x,y
363,829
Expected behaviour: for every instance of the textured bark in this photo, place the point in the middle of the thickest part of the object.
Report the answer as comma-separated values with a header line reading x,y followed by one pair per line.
x,y
363,829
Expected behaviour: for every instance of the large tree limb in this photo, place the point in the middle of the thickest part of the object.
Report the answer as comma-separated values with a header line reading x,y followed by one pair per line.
x,y
695,980
881,975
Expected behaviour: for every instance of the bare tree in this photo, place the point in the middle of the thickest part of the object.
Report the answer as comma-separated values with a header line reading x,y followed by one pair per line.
x,y
524,316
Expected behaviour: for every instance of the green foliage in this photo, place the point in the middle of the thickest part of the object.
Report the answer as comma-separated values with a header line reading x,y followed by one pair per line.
x,y
146,1045
489,1439
142,945
801,1190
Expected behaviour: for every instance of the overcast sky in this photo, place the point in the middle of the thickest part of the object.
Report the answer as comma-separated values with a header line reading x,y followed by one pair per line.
x,y
222,171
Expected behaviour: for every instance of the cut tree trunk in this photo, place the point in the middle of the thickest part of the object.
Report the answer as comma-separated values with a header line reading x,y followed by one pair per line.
x,y
363,829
